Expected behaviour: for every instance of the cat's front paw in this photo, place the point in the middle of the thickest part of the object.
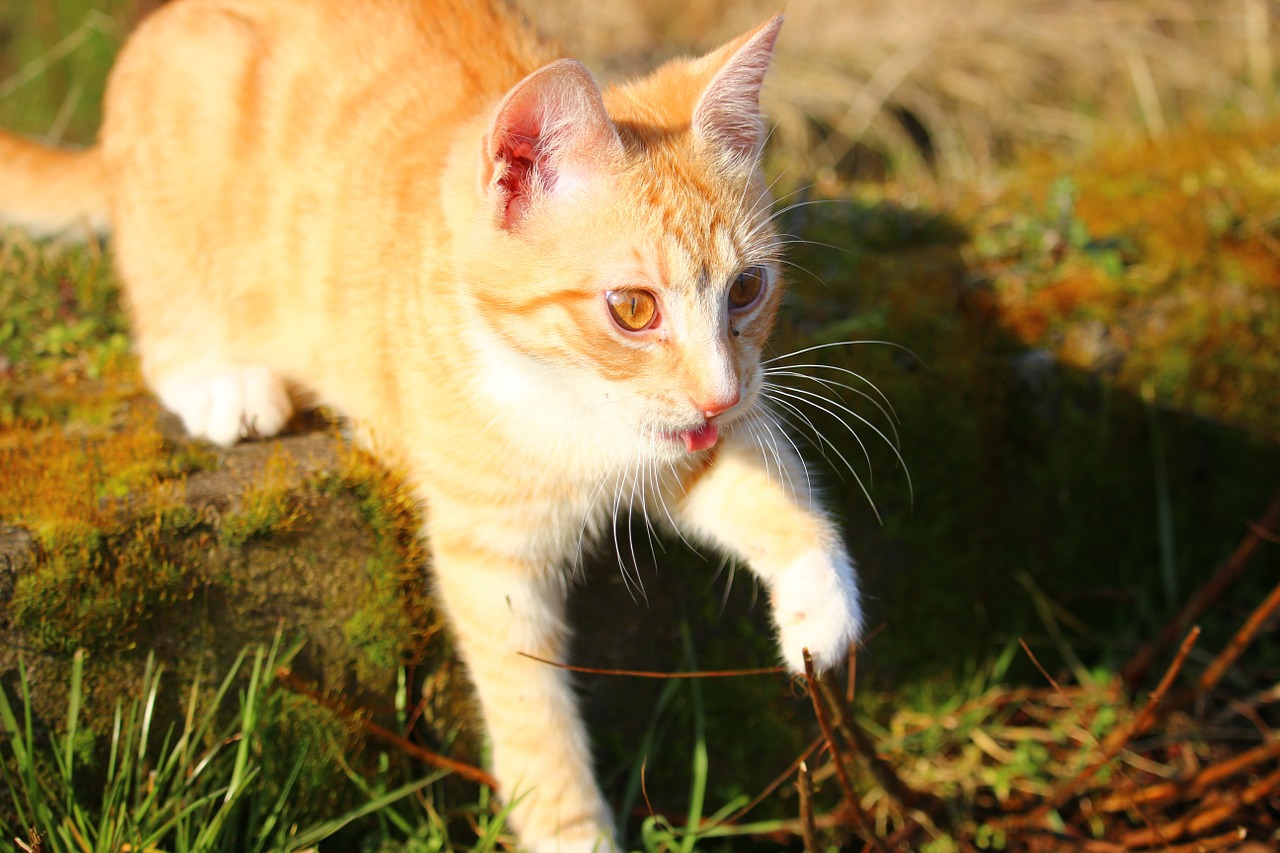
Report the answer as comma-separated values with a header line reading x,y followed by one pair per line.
x,y
227,405
816,607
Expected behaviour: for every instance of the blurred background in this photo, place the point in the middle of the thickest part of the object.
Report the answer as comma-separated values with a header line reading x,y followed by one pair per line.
x,y
1064,215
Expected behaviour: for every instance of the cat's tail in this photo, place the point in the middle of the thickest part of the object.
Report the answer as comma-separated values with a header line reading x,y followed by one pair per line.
x,y
48,190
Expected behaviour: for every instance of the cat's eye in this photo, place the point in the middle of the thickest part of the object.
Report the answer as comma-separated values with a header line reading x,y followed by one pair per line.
x,y
633,310
746,288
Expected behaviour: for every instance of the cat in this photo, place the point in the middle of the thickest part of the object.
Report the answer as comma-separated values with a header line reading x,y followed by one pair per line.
x,y
540,300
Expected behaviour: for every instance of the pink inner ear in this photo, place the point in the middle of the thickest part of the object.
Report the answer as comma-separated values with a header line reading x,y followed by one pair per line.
x,y
551,124
520,168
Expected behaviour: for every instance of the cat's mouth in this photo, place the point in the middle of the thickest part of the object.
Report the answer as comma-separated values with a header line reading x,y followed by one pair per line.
x,y
694,440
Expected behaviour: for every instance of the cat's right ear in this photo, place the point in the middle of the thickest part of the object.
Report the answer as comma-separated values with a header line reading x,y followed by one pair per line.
x,y
550,136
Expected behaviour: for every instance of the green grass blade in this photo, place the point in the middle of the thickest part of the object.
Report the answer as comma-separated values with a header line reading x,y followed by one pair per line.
x,y
313,835
698,785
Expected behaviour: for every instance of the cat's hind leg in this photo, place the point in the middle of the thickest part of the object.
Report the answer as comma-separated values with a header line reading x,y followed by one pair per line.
x,y
224,403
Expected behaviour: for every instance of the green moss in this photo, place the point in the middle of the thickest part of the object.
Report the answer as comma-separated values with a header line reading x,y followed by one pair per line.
x,y
91,589
269,506
380,628
263,512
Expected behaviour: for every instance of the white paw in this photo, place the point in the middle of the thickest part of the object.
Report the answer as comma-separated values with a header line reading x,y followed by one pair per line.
x,y
228,404
815,605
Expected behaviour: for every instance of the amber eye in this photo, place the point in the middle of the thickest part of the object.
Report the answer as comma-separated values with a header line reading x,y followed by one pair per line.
x,y
746,288
634,310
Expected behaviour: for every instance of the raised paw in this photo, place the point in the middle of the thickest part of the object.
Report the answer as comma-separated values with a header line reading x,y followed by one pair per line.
x,y
228,404
816,606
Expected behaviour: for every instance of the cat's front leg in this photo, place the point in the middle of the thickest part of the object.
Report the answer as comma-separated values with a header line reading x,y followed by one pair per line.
x,y
499,607
761,508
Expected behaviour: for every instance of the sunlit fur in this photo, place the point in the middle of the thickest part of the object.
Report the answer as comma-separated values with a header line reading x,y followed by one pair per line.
x,y
406,210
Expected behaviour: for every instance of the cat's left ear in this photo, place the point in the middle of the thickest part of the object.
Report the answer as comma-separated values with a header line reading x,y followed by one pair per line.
x,y
549,137
728,112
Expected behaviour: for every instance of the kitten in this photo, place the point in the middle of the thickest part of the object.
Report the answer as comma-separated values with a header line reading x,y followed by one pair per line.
x,y
540,300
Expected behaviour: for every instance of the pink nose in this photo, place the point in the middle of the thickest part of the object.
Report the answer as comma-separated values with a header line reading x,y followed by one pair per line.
x,y
713,407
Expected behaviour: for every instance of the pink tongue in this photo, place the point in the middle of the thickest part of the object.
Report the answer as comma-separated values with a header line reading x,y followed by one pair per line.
x,y
701,438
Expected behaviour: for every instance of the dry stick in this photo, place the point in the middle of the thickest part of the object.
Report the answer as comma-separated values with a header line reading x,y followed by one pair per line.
x,y
1227,840
808,831
1114,743
842,772
1165,793
1213,674
435,759
644,788
1119,737
775,784
1206,818
859,741
644,673
1211,591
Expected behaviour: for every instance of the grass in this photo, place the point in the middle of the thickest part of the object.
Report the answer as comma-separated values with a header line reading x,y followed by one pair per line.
x,y
916,88
199,786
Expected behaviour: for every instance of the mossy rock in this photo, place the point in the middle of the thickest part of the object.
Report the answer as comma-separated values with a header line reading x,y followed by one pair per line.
x,y
300,536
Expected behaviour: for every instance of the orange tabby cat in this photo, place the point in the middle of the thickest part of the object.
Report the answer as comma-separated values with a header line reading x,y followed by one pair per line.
x,y
543,301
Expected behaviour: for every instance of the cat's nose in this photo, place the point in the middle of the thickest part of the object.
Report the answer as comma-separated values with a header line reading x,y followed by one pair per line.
x,y
719,405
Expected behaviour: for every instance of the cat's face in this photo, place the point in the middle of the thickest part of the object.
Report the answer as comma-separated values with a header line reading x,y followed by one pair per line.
x,y
635,259
659,297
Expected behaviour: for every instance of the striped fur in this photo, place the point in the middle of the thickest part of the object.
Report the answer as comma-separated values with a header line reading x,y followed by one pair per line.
x,y
411,210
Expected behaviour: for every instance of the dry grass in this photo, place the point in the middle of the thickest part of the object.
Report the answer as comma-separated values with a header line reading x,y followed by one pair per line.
x,y
862,84
859,86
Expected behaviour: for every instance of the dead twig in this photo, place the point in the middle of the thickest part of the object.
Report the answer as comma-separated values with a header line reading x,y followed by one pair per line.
x,y
1224,661
776,783
804,789
1135,670
1210,777
1116,740
860,817
1206,818
473,774
644,673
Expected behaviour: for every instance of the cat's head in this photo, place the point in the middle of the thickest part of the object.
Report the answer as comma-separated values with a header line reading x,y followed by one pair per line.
x,y
630,237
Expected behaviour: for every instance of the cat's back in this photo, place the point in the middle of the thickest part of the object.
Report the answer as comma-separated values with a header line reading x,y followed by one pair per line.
x,y
246,75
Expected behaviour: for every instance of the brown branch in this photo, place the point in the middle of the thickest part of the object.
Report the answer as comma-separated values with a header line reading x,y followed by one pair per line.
x,y
860,742
842,772
775,784
1165,793
1228,840
1116,740
643,673
474,774
1209,816
805,791
1135,670
1223,662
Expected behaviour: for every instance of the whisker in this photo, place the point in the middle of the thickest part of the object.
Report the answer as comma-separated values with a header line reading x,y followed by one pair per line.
x,y
579,560
631,529
831,383
617,542
845,370
649,459
756,425
772,391
845,344
790,263
773,433
799,395
823,441
892,446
